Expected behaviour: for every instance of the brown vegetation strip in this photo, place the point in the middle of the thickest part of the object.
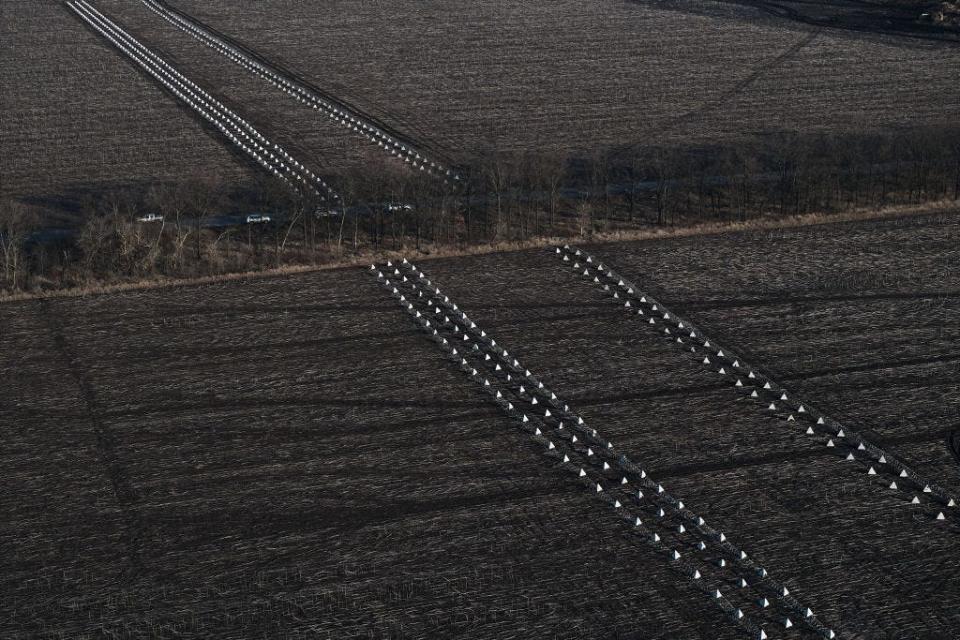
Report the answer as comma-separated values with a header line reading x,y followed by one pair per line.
x,y
433,251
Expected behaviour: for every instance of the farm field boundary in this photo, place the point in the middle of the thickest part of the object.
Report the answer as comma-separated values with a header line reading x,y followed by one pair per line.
x,y
931,498
946,207
725,573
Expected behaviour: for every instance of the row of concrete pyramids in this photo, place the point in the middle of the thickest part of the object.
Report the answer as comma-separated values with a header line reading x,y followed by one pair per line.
x,y
524,376
345,117
236,129
686,335
533,425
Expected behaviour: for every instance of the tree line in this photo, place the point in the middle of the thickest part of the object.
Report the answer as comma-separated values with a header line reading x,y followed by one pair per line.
x,y
505,196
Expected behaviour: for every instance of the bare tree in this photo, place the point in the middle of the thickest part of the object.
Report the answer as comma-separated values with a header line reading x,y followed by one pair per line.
x,y
663,166
600,182
205,197
499,169
585,217
633,167
173,202
16,223
95,242
552,170
296,205
955,152
350,186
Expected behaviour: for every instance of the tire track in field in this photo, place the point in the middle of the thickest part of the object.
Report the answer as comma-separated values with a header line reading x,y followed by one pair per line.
x,y
723,572
931,499
170,313
225,402
419,155
762,69
953,441
148,355
714,103
107,442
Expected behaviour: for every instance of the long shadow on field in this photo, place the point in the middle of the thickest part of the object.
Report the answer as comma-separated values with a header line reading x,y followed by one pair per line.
x,y
260,403
872,366
153,355
593,400
170,314
864,17
733,303
792,455
189,526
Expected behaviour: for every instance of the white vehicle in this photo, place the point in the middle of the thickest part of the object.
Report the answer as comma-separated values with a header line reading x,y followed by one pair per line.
x,y
150,217
256,218
394,207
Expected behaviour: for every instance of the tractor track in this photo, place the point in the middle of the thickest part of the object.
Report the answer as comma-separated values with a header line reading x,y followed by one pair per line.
x,y
107,445
729,577
792,455
847,443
